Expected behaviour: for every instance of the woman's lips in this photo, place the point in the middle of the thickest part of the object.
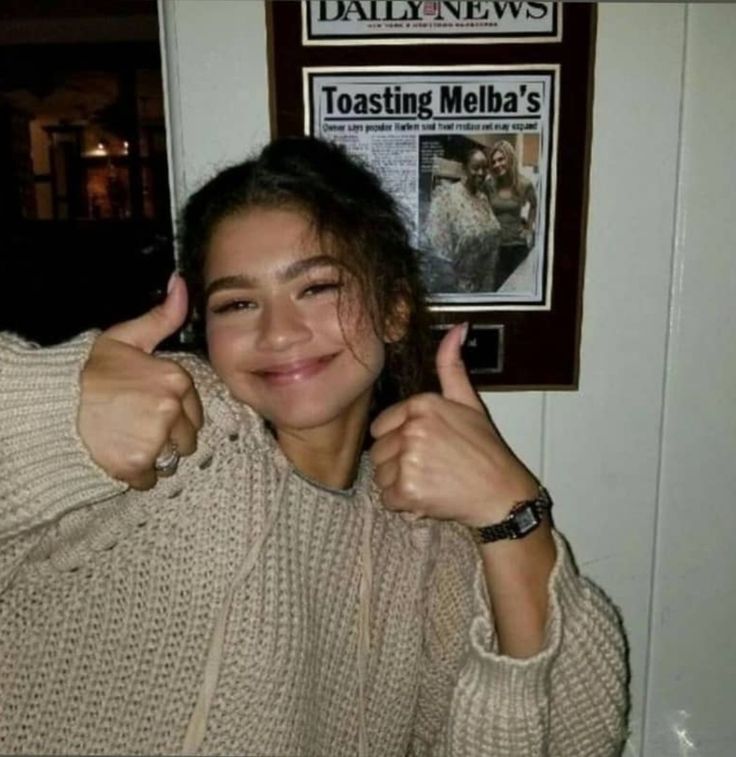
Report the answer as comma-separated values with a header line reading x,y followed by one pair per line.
x,y
294,372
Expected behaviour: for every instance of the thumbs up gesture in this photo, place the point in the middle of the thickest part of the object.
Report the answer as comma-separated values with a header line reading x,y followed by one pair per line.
x,y
133,405
439,455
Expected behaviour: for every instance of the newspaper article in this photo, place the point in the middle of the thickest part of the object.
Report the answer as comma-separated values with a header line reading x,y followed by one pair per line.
x,y
470,155
484,21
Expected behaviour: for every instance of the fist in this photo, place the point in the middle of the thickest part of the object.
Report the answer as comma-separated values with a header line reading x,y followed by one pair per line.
x,y
439,455
133,404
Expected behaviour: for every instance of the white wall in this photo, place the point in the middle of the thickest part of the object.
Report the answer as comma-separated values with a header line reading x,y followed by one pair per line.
x,y
640,459
602,443
692,667
215,85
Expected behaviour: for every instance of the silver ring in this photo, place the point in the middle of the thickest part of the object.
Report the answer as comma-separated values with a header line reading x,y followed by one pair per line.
x,y
167,462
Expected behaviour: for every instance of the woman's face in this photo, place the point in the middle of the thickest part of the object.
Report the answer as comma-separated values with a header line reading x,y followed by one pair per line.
x,y
499,163
476,169
274,333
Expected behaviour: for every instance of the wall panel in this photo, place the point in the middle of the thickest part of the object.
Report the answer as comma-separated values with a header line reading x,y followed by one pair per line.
x,y
692,681
217,85
601,444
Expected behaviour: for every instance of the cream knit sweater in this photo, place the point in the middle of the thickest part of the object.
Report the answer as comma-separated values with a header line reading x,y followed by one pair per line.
x,y
238,608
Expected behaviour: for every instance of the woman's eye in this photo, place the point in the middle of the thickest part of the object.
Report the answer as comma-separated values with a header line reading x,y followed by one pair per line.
x,y
233,305
321,287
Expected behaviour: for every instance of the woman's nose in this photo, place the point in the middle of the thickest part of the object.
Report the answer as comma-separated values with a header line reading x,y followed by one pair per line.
x,y
281,327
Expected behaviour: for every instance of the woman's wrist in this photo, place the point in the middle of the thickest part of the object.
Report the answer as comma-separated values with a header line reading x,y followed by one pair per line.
x,y
496,507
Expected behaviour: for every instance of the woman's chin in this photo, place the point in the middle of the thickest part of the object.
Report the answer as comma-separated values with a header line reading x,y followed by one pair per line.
x,y
298,419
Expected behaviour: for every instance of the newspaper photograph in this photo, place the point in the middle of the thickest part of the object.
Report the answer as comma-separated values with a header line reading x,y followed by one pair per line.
x,y
470,156
351,22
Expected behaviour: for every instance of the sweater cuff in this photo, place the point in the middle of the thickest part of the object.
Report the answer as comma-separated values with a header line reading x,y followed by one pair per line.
x,y
514,683
45,469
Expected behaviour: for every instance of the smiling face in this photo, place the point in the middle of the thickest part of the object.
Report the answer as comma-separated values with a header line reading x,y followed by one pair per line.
x,y
286,328
476,170
499,163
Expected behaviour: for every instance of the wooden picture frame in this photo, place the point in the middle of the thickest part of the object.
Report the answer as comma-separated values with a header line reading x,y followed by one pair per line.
x,y
426,101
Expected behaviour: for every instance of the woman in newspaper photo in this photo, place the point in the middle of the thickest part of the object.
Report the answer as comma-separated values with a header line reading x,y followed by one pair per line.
x,y
514,204
462,232
298,540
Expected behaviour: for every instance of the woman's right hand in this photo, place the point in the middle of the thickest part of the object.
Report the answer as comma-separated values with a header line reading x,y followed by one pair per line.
x,y
133,404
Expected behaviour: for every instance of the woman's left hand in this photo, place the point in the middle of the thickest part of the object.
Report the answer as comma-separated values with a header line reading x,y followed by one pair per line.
x,y
439,455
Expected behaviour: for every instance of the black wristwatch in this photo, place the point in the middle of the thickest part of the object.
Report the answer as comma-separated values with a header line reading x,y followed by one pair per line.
x,y
524,518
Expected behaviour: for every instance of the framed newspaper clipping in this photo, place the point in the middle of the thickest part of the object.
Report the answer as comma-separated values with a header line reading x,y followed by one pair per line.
x,y
483,141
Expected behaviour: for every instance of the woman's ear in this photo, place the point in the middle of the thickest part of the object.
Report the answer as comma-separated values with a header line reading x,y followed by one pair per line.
x,y
397,320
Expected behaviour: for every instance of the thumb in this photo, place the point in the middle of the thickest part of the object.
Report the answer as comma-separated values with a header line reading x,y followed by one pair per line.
x,y
451,370
160,322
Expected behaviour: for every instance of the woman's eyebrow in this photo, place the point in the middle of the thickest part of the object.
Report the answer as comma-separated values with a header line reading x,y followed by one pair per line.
x,y
239,281
284,275
302,266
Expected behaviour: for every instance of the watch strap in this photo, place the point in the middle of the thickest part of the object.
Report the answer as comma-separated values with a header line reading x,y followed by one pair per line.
x,y
524,518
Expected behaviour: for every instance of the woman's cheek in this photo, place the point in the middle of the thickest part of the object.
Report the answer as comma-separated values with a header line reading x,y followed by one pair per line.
x,y
224,344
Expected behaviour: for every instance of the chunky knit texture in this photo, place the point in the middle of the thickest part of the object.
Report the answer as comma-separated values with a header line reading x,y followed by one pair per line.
x,y
109,599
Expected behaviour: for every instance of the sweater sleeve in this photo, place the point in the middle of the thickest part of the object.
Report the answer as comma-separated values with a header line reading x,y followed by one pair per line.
x,y
570,700
45,469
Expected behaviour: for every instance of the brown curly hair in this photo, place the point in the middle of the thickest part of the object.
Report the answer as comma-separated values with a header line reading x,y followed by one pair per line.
x,y
354,217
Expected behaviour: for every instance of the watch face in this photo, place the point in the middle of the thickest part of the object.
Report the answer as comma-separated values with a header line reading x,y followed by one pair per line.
x,y
525,520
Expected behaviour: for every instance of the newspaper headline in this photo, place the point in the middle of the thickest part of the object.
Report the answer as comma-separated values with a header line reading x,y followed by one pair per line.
x,y
335,20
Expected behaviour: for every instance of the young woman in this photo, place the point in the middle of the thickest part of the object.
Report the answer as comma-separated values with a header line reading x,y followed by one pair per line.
x,y
511,193
462,232
288,548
